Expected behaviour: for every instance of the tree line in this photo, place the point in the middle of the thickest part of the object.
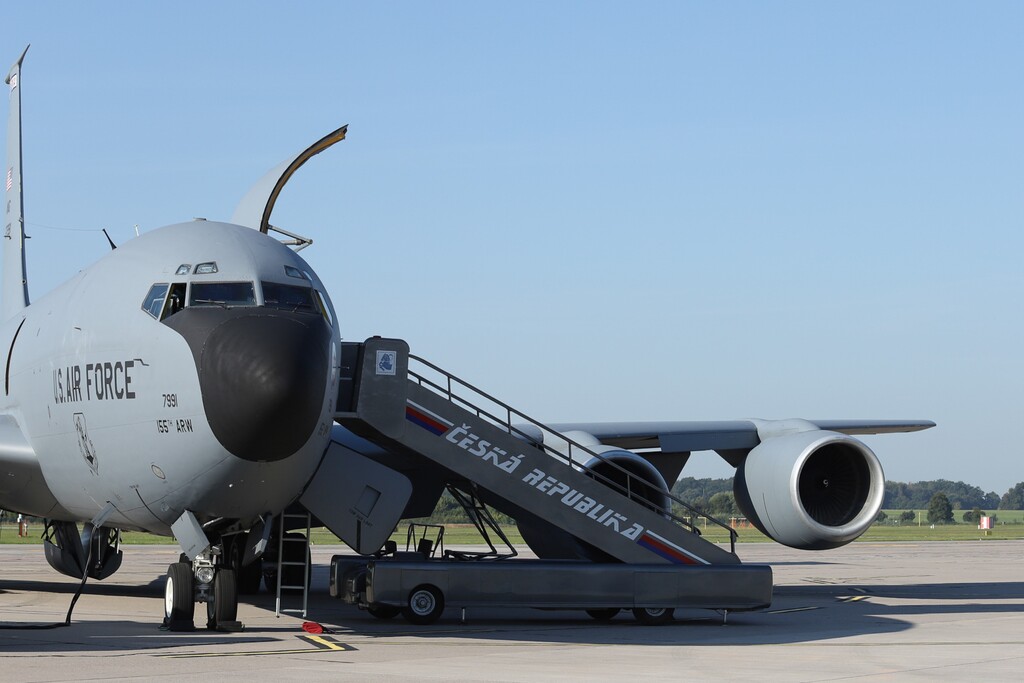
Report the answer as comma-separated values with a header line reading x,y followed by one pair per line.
x,y
918,495
715,497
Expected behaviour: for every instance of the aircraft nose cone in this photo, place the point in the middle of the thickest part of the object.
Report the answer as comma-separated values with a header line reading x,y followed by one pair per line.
x,y
262,376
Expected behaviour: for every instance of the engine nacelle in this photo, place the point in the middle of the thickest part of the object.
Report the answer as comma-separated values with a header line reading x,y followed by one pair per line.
x,y
642,479
811,490
637,475
68,552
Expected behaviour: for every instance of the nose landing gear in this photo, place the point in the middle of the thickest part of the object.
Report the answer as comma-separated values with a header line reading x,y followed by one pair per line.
x,y
179,600
222,607
207,580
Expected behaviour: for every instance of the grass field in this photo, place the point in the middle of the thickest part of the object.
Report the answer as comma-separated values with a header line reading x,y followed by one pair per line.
x,y
1003,516
1010,526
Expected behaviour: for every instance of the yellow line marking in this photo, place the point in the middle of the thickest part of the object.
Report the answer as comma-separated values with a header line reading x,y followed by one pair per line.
x,y
327,643
197,655
319,643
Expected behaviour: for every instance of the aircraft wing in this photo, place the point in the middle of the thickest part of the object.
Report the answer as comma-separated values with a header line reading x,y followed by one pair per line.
x,y
681,437
15,451
22,487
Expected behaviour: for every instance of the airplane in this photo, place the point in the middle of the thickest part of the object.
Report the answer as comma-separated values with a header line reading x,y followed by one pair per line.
x,y
186,384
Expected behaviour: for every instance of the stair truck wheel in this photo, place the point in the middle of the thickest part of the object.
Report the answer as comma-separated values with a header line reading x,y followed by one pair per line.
x,y
384,611
179,602
426,603
224,606
653,616
603,614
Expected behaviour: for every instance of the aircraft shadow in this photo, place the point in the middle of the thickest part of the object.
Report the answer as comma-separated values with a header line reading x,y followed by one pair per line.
x,y
799,614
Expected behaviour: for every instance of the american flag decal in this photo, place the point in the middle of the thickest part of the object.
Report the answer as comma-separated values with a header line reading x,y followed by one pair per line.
x,y
10,178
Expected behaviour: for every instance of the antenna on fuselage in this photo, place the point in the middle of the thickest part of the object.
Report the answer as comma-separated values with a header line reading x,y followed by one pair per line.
x,y
14,282
112,245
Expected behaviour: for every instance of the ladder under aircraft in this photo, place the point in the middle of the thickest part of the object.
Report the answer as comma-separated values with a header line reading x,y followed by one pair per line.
x,y
287,566
403,402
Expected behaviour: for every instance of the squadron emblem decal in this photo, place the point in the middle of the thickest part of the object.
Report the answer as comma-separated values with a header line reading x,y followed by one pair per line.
x,y
85,443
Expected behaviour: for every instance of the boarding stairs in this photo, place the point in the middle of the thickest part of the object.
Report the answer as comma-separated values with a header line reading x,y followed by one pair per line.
x,y
406,404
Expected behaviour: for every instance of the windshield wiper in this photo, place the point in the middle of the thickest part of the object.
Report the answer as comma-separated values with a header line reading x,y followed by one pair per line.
x,y
208,302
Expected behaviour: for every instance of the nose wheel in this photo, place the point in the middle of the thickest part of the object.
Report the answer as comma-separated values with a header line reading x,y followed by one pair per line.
x,y
200,581
222,609
179,598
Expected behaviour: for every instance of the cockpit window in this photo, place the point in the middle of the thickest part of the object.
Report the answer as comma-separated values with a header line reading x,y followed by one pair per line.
x,y
175,300
289,297
292,271
324,308
221,294
154,301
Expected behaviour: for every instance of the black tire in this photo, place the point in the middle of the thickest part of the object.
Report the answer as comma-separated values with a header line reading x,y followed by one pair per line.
x,y
293,552
426,603
248,577
606,614
224,606
269,572
179,601
654,616
384,611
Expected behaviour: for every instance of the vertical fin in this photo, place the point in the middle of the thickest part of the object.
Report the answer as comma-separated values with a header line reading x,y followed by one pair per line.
x,y
14,282
255,208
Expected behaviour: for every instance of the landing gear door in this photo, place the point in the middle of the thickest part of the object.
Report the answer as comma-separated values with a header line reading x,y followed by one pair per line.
x,y
358,499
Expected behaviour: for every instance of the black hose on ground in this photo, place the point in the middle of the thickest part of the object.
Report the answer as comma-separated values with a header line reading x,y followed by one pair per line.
x,y
71,608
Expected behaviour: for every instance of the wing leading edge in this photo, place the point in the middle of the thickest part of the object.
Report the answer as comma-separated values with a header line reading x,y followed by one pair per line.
x,y
22,486
679,437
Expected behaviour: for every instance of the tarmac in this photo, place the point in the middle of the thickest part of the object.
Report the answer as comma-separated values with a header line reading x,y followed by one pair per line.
x,y
865,612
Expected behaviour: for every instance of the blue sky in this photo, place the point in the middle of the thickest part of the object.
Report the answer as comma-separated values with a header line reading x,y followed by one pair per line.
x,y
594,211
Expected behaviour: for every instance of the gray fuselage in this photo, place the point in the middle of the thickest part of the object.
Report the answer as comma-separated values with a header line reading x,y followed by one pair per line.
x,y
218,399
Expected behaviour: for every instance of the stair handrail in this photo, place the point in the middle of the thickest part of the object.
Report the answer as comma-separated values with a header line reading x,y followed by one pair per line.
x,y
448,393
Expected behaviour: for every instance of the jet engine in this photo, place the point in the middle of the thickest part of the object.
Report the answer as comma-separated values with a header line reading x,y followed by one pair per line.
x,y
626,471
810,490
621,470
